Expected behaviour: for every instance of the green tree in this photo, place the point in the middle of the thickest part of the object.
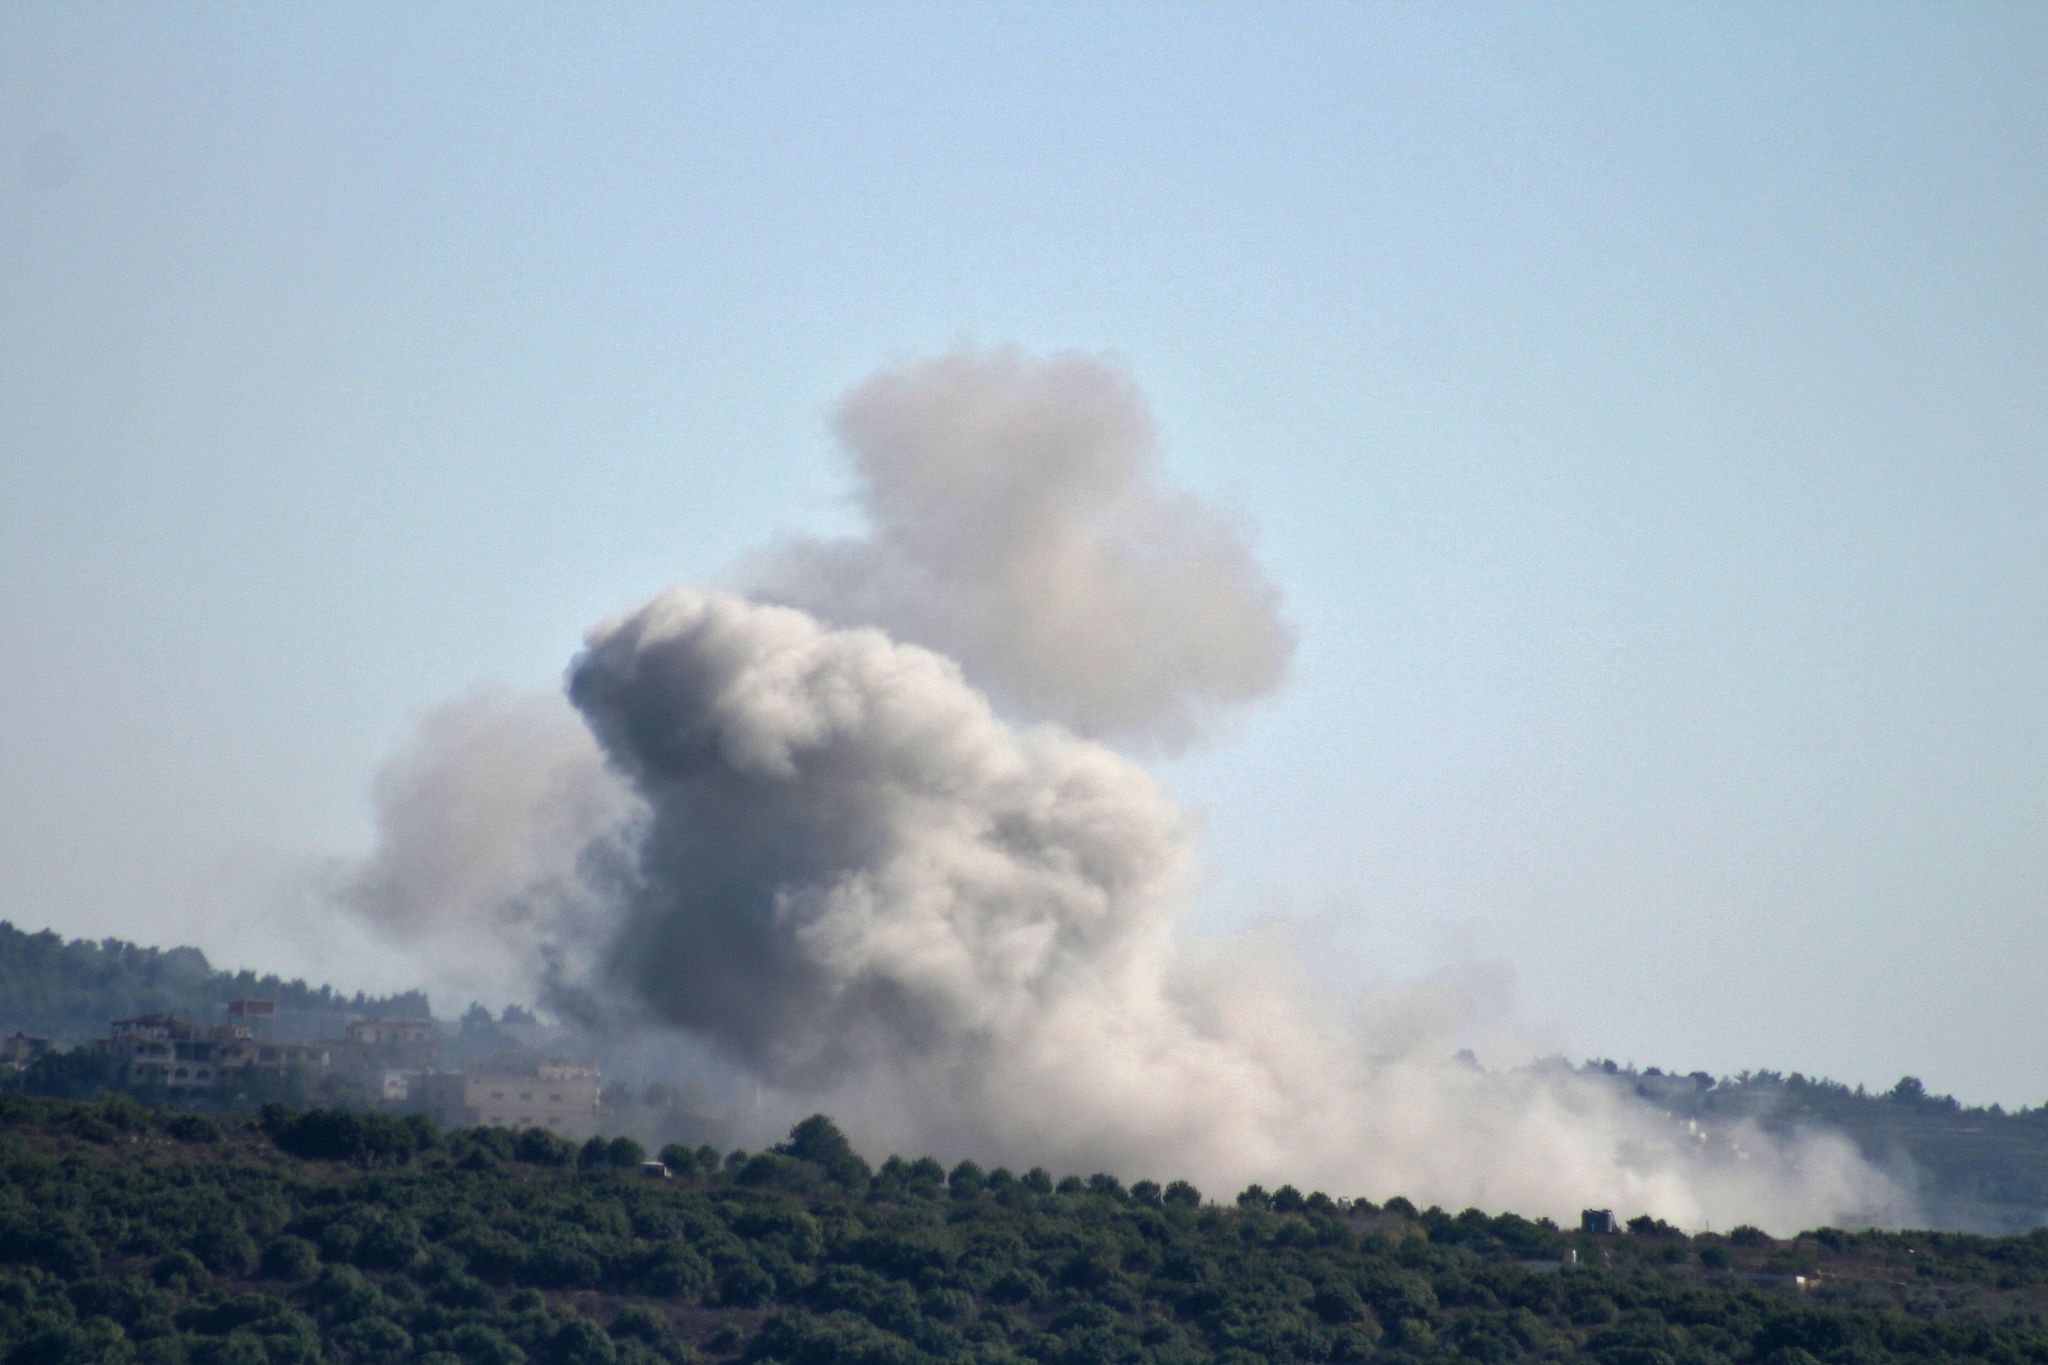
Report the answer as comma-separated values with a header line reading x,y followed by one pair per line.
x,y
290,1258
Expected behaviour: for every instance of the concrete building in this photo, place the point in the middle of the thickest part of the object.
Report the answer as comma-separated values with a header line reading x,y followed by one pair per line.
x,y
257,1015
182,1056
509,1092
387,1057
395,1086
401,1034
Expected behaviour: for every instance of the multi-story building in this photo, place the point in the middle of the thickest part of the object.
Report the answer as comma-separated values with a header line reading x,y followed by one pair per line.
x,y
398,1034
394,1085
387,1056
181,1055
511,1092
257,1014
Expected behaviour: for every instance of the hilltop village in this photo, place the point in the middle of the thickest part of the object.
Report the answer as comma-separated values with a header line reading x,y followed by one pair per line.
x,y
165,1026
409,1065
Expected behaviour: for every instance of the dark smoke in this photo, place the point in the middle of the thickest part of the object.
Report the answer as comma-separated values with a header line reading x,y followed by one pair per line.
x,y
849,857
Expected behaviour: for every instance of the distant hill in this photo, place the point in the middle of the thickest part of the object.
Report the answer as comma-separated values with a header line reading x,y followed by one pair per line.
x,y
70,990
1977,1169
1984,1169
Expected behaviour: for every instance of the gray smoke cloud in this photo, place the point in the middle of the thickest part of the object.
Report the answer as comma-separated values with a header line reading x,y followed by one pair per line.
x,y
861,880
823,851
849,857
499,829
1020,523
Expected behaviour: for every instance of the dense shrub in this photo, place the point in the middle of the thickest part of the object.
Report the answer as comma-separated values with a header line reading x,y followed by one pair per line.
x,y
351,1135
539,1147
290,1258
190,1127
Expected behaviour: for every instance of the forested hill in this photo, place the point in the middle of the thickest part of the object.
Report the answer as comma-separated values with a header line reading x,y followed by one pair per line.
x,y
1983,1168
133,1237
70,990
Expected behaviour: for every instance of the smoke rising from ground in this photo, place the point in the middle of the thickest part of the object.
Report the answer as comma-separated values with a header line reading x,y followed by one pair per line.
x,y
860,879
1020,524
825,852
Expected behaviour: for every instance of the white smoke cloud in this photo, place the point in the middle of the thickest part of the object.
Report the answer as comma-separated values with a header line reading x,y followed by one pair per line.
x,y
824,851
1020,524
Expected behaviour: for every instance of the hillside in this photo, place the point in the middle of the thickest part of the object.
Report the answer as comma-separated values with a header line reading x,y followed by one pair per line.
x,y
135,1236
1984,1169
71,989
1976,1169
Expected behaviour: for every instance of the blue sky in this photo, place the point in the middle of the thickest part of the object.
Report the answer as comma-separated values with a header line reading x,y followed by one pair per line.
x,y
1641,407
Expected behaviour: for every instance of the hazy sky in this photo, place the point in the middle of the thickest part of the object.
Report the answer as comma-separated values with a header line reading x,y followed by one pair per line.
x,y
1644,410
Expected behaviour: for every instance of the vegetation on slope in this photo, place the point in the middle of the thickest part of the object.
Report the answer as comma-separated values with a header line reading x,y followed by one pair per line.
x,y
132,1235
1980,1168
70,990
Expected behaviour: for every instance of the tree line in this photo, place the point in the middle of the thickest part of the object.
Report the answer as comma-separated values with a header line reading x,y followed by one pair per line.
x,y
164,1238
71,989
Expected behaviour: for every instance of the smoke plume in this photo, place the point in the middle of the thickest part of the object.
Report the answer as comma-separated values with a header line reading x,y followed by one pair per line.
x,y
1019,524
498,830
861,880
849,858
825,852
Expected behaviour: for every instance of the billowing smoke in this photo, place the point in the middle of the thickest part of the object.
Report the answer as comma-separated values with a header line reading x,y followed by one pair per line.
x,y
1019,524
848,856
826,853
499,833
861,880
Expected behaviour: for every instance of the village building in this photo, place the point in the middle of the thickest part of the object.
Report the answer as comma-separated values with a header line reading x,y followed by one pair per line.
x,y
394,1085
395,1034
257,1015
518,1092
181,1055
372,1051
